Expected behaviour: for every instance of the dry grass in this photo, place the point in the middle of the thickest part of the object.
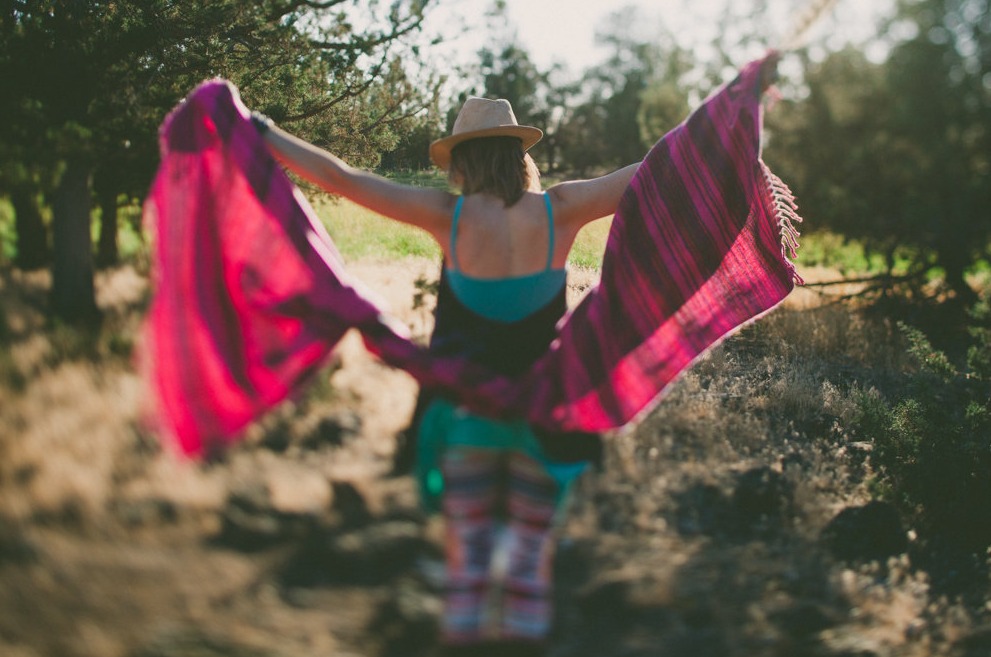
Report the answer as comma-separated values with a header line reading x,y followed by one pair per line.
x,y
109,547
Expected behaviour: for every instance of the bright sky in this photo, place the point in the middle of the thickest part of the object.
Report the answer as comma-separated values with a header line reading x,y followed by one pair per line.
x,y
563,31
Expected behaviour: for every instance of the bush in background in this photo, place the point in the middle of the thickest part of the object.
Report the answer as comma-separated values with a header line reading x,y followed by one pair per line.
x,y
932,444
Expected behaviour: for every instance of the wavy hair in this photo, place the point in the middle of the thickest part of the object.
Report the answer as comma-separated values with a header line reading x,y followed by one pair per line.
x,y
494,165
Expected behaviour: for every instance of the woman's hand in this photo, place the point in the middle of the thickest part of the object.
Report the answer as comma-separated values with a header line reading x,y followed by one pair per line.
x,y
261,122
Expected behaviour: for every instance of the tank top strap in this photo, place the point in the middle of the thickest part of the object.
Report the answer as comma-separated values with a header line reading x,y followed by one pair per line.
x,y
550,230
454,232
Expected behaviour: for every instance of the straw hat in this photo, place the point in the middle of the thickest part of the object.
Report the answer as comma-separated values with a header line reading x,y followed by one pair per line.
x,y
481,117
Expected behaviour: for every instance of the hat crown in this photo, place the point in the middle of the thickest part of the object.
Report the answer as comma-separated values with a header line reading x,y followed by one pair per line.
x,y
481,117
482,114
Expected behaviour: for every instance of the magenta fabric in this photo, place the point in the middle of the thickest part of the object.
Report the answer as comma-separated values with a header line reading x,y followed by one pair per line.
x,y
251,295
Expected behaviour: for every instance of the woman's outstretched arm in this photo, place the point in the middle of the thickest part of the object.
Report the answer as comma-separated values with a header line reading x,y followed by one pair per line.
x,y
578,202
425,207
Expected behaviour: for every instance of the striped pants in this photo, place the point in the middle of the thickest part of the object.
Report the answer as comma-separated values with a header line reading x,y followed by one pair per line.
x,y
481,489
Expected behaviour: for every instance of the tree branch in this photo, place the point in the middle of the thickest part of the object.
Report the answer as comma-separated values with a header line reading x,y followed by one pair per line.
x,y
295,5
880,280
323,107
381,119
366,43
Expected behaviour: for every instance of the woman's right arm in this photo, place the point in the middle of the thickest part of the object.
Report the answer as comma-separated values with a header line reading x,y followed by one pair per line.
x,y
578,202
425,207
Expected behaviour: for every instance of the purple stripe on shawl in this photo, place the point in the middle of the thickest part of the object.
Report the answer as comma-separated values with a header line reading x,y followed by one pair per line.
x,y
694,252
251,294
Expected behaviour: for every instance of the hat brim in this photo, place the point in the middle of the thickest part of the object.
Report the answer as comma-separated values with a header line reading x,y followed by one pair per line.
x,y
440,150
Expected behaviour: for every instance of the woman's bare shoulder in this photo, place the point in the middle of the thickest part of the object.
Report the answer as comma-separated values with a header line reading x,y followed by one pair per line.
x,y
578,202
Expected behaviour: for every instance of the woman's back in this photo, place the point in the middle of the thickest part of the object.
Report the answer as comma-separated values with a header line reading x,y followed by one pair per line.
x,y
490,240
511,255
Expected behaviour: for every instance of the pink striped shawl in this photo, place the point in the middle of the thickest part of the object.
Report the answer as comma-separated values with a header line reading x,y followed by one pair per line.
x,y
251,294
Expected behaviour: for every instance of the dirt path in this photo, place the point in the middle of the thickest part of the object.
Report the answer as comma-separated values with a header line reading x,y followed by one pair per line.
x,y
702,536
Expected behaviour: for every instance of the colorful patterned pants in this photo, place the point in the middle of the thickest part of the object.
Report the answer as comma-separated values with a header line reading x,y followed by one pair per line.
x,y
483,491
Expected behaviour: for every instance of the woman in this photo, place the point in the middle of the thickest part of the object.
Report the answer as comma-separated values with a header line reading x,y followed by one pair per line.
x,y
505,245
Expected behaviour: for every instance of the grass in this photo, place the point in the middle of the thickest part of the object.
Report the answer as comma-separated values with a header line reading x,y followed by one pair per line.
x,y
361,233
7,235
131,243
656,551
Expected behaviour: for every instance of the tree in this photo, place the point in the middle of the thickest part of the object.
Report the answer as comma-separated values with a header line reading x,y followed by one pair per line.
x,y
508,73
32,235
842,159
632,98
897,153
506,70
86,85
942,106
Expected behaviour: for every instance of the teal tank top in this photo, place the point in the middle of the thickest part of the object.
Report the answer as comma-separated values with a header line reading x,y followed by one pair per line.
x,y
497,302
511,298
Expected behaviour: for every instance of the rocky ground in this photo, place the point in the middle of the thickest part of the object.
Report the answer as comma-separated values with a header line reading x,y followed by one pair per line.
x,y
733,521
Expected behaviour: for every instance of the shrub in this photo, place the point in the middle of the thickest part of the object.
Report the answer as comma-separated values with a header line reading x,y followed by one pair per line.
x,y
932,445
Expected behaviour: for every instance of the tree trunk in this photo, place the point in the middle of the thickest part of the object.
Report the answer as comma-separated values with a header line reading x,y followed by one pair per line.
x,y
954,264
32,236
73,296
107,253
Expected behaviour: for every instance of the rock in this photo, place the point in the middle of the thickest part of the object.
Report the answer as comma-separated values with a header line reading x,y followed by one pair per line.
x,y
406,622
350,504
251,519
866,533
977,643
702,509
761,494
368,556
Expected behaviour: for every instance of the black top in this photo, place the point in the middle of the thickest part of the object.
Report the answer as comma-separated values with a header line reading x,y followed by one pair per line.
x,y
509,348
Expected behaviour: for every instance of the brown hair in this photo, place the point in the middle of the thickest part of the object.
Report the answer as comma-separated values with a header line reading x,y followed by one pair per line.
x,y
493,165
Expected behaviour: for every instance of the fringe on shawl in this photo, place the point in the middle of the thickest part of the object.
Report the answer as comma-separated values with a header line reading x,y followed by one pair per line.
x,y
786,215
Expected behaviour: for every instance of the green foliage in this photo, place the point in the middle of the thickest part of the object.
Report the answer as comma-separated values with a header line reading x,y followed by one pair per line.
x,y
88,84
662,106
97,79
360,233
633,97
895,153
8,249
932,443
848,256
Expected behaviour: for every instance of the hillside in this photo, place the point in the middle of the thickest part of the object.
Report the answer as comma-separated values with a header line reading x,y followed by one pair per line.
x,y
733,521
